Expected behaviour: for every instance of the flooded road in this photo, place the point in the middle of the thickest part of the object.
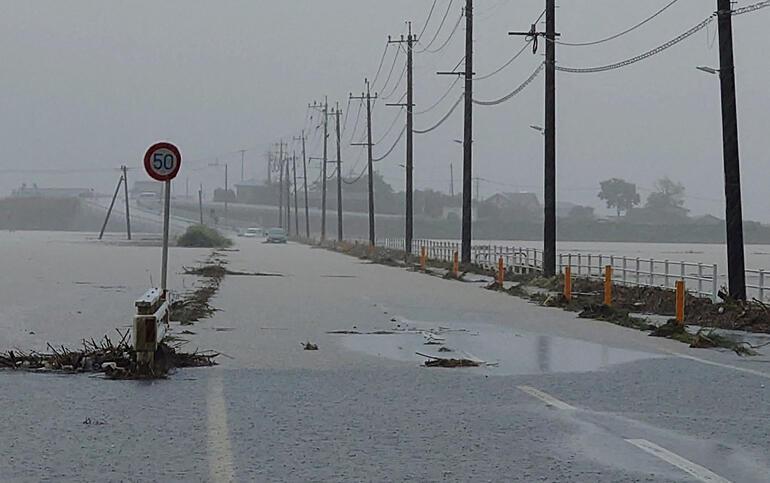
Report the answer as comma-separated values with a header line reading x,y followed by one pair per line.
x,y
558,398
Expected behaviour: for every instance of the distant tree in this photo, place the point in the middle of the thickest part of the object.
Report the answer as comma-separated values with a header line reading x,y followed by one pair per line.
x,y
668,194
619,194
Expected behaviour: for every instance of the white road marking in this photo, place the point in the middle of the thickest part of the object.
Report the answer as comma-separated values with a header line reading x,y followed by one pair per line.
x,y
753,372
699,472
547,398
220,452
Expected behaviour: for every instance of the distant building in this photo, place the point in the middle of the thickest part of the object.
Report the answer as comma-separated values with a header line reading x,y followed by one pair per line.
x,y
35,192
524,200
457,211
256,192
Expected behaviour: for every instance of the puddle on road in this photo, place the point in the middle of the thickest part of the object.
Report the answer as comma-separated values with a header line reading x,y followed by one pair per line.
x,y
509,352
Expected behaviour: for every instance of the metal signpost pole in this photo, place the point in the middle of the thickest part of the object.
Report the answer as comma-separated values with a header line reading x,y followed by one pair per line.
x,y
164,263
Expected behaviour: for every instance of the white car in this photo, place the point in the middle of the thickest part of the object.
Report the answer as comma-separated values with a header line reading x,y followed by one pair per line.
x,y
254,233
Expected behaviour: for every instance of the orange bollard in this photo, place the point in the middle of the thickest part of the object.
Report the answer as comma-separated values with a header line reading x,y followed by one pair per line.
x,y
423,258
456,264
608,285
500,272
568,283
680,301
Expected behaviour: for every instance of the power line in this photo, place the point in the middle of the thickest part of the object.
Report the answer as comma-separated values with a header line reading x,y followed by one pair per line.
x,y
646,55
390,74
396,86
438,31
448,39
427,20
392,125
400,136
441,99
516,91
620,34
751,8
382,61
509,62
443,119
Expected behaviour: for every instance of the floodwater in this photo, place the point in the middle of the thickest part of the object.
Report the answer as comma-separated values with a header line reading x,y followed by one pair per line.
x,y
63,287
500,350
757,256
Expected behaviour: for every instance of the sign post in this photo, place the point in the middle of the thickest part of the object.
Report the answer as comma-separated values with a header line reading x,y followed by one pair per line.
x,y
162,162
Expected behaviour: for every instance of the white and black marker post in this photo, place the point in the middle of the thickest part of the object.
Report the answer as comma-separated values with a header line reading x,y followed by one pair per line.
x,y
162,162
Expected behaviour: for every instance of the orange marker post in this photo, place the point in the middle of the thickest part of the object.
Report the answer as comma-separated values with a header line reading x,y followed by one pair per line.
x,y
456,264
680,302
608,285
568,283
500,272
423,259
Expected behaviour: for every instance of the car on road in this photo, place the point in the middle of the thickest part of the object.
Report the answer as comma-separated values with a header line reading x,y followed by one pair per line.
x,y
254,233
276,235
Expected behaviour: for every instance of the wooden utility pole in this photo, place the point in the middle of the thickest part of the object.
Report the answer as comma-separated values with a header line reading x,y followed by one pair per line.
x,y
736,270
304,179
324,108
549,191
409,215
125,194
368,97
288,197
468,136
200,203
243,152
337,114
109,210
296,214
280,185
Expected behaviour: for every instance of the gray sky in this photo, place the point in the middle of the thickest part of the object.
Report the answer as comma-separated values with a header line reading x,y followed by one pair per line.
x,y
88,85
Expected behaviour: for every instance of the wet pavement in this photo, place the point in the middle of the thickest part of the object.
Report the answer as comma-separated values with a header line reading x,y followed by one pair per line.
x,y
559,398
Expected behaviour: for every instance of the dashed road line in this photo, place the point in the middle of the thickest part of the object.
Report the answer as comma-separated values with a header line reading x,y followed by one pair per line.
x,y
753,372
219,449
697,471
547,398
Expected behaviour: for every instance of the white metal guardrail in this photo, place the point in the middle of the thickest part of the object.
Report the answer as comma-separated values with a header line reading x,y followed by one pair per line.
x,y
150,322
701,279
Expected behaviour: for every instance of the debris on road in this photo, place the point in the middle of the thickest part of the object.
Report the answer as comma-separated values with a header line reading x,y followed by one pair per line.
x,y
309,346
114,360
433,361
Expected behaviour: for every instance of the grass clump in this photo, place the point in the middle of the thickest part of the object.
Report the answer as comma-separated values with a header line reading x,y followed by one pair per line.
x,y
201,236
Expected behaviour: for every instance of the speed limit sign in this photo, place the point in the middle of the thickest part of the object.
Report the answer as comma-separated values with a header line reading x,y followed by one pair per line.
x,y
162,161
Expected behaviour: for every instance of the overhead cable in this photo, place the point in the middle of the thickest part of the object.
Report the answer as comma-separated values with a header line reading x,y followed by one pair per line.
x,y
515,91
398,140
443,119
638,58
620,34
448,39
441,99
510,61
440,27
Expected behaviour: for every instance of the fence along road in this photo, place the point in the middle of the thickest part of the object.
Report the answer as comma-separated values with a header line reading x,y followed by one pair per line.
x,y
701,279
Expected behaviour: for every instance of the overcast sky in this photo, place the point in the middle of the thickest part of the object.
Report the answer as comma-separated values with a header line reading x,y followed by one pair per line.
x,y
87,85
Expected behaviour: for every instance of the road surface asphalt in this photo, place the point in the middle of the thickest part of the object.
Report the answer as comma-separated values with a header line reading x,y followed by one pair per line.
x,y
558,398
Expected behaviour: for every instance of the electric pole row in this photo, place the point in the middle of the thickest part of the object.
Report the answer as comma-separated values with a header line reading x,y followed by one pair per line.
x,y
324,109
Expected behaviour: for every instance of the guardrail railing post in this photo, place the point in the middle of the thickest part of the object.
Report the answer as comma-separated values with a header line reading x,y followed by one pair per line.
x,y
700,279
665,273
652,272
637,271
761,285
579,264
714,282
624,270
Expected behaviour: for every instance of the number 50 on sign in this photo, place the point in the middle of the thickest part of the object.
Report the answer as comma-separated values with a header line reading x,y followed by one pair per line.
x,y
162,161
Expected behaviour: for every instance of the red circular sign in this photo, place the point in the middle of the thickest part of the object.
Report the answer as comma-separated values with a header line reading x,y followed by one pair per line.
x,y
162,161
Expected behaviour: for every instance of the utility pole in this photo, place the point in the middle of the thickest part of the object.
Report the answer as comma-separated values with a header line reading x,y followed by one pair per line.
x,y
243,151
549,191
296,214
368,97
269,168
125,193
200,202
337,114
736,270
280,185
409,216
304,178
288,197
324,108
109,210
468,136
